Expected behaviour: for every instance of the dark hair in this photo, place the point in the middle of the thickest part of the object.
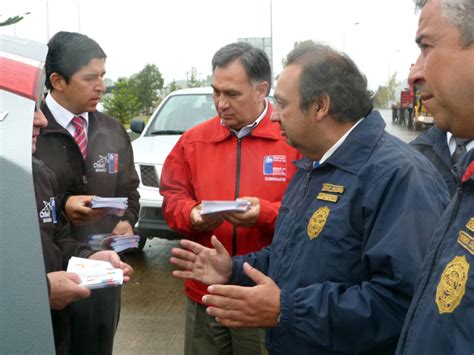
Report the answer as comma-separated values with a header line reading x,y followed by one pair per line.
x,y
68,53
459,13
328,72
255,61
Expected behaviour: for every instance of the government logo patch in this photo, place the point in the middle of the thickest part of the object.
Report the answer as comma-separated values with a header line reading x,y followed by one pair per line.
x,y
48,213
107,163
274,167
452,285
317,222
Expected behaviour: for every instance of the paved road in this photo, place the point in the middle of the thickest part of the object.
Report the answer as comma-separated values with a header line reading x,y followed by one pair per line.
x,y
153,302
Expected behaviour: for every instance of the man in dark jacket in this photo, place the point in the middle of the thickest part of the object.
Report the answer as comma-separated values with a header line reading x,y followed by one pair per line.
x,y
59,246
441,317
440,148
350,235
90,154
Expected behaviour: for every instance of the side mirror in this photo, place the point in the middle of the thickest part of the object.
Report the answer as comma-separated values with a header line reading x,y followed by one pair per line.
x,y
137,125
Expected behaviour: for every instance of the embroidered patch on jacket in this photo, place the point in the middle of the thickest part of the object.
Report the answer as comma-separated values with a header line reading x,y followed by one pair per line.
x,y
274,167
112,161
466,241
107,163
317,222
470,225
48,213
337,189
327,197
452,285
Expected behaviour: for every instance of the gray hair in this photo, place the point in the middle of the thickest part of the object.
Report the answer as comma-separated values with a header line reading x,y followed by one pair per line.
x,y
255,61
459,13
328,72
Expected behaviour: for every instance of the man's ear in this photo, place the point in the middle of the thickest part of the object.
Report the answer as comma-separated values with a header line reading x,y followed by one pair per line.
x,y
321,107
57,81
262,89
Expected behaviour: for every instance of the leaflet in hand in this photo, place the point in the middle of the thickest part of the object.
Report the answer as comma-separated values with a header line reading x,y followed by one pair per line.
x,y
210,207
117,243
115,205
95,273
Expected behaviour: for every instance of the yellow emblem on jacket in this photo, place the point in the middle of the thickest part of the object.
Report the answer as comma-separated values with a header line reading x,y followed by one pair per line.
x,y
452,285
338,189
470,224
466,241
317,222
327,197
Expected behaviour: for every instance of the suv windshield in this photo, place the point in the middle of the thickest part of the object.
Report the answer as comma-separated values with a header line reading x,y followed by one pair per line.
x,y
181,112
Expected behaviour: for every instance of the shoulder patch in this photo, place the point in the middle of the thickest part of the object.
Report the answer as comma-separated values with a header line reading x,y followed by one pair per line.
x,y
317,222
452,285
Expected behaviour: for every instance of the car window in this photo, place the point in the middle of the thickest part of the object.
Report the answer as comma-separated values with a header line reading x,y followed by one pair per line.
x,y
181,112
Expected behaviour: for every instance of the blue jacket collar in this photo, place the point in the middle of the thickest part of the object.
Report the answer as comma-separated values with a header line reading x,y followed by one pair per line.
x,y
356,149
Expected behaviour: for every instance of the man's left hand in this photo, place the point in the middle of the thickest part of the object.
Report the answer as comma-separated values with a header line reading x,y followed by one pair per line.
x,y
238,306
113,258
247,218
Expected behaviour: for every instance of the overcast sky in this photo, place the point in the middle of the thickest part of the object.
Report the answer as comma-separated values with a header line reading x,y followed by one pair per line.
x,y
177,35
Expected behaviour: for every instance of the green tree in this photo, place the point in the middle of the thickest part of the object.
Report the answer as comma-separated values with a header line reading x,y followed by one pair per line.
x,y
11,20
386,93
146,86
193,81
122,103
173,86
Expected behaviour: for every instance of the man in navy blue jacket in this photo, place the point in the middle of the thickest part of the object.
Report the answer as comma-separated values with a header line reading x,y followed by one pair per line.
x,y
350,235
441,317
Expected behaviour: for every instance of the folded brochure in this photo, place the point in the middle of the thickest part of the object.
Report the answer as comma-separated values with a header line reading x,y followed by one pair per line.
x,y
95,273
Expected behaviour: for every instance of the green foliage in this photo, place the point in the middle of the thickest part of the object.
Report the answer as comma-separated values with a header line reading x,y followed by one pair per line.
x,y
11,20
174,86
386,93
194,82
123,104
146,86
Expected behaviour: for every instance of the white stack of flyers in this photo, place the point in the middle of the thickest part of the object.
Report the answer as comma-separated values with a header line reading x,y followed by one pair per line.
x,y
212,207
107,241
115,205
95,273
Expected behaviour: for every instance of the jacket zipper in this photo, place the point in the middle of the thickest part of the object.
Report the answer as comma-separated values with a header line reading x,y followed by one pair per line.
x,y
237,192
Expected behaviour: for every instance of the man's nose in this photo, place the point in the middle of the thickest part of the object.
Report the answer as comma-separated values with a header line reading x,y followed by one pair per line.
x,y
416,72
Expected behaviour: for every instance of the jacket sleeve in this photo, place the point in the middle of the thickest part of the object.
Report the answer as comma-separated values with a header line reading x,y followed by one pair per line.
x,y
259,260
176,188
268,214
399,213
67,244
128,180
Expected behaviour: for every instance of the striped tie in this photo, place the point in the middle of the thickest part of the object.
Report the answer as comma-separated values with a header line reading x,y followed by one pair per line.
x,y
80,136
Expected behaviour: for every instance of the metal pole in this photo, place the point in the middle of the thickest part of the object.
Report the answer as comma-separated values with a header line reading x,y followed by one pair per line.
x,y
47,21
271,34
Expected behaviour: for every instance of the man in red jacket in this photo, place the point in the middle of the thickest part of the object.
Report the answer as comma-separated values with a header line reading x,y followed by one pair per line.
x,y
239,154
